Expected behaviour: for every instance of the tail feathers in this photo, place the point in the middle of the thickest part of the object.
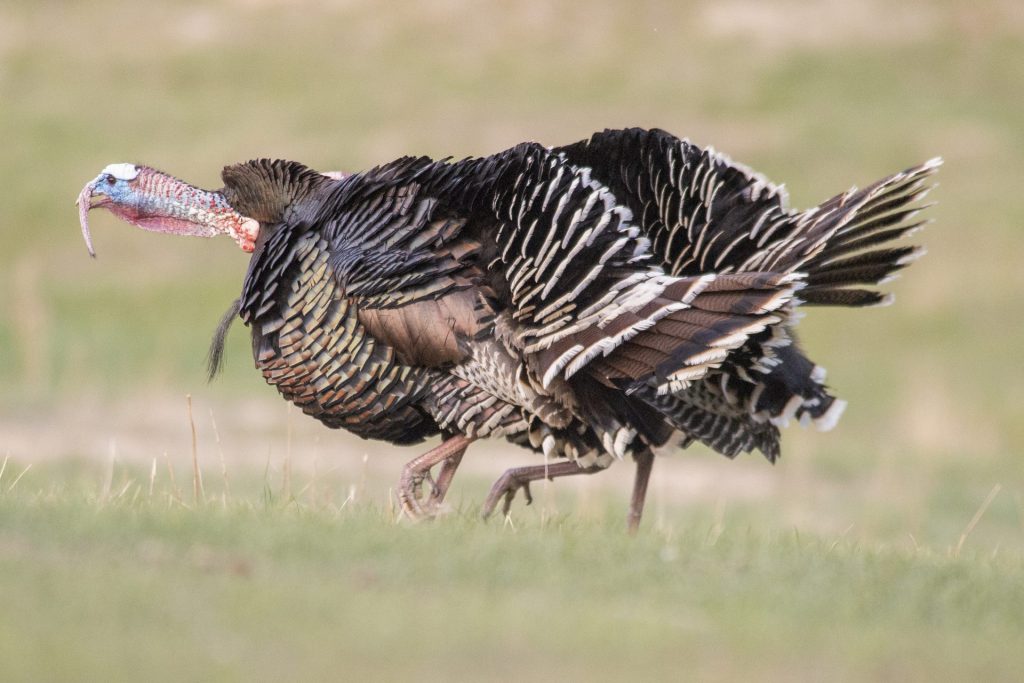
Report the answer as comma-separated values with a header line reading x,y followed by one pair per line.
x,y
705,417
704,213
784,385
740,406
874,233
869,268
855,226
776,402
851,298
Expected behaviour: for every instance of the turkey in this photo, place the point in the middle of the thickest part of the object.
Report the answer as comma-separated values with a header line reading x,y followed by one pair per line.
x,y
590,302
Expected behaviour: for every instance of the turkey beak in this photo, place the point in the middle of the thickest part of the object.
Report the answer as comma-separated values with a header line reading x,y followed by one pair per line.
x,y
87,199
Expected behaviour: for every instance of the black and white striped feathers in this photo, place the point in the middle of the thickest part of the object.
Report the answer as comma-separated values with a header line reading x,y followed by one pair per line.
x,y
705,213
589,301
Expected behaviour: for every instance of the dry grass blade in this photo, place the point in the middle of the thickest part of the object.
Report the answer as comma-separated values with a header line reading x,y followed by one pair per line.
x,y
124,490
976,518
286,470
108,480
175,491
18,478
198,494
226,493
360,491
394,514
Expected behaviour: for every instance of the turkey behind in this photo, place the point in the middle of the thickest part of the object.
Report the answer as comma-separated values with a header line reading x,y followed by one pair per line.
x,y
704,213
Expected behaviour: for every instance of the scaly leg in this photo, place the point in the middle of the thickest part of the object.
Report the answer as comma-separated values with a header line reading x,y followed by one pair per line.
x,y
413,474
644,463
520,478
444,479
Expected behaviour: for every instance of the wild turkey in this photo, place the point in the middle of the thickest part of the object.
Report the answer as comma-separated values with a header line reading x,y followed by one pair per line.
x,y
590,302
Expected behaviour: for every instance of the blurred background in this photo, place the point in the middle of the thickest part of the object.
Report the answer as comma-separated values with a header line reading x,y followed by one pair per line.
x,y
96,357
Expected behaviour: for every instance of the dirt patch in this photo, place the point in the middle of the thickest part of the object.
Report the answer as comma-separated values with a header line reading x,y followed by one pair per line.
x,y
256,435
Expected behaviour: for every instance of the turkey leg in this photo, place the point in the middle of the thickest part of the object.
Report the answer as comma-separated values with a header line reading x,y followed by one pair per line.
x,y
520,478
410,484
644,463
444,478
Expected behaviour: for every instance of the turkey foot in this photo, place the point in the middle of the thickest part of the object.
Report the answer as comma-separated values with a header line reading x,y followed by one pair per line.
x,y
520,478
410,485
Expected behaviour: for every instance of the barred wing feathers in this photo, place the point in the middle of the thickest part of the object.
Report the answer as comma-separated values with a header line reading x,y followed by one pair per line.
x,y
582,286
704,213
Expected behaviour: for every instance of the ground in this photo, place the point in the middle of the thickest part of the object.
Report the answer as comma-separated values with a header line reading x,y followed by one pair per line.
x,y
129,577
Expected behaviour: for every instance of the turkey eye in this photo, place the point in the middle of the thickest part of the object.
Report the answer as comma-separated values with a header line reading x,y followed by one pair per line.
x,y
110,179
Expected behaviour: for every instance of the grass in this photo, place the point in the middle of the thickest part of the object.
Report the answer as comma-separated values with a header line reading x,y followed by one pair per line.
x,y
121,583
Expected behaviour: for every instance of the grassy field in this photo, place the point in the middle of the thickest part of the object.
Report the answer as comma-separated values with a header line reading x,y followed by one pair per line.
x,y
890,548
137,581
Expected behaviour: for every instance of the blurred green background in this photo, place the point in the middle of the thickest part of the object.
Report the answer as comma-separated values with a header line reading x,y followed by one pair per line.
x,y
97,356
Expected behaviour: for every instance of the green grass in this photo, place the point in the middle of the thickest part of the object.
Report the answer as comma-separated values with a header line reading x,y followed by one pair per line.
x,y
129,585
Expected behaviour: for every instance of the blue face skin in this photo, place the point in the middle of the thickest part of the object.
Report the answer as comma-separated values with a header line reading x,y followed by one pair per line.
x,y
109,189
113,189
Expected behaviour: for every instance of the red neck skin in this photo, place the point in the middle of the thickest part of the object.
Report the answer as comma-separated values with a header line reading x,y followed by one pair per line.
x,y
158,202
173,206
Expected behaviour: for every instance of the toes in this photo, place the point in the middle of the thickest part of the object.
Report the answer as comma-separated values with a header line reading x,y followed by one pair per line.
x,y
503,487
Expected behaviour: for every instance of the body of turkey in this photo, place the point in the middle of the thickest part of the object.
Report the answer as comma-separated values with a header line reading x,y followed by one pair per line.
x,y
591,302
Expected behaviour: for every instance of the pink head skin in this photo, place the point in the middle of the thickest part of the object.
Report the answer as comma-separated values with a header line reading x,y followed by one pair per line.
x,y
155,201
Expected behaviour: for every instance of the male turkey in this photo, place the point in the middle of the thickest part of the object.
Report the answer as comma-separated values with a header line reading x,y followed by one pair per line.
x,y
590,302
